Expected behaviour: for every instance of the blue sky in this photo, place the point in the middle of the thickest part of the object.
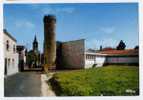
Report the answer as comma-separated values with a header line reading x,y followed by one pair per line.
x,y
99,24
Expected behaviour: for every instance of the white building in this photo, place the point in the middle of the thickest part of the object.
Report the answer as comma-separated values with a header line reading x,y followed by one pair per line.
x,y
10,54
21,50
129,56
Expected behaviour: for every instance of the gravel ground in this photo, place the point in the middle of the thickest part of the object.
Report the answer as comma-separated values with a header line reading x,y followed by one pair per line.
x,y
45,88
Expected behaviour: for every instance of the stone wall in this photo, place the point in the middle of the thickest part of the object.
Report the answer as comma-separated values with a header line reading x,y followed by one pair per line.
x,y
73,56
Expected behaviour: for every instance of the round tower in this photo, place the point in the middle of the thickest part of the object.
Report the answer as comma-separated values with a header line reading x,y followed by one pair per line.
x,y
49,42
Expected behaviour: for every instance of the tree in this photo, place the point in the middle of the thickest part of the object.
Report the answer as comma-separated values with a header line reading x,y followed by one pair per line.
x,y
136,47
32,59
101,48
121,45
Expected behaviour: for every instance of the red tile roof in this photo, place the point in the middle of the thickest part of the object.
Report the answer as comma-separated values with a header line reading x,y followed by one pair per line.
x,y
108,48
119,52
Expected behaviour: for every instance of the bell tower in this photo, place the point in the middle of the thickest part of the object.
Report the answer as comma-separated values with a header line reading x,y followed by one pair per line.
x,y
35,44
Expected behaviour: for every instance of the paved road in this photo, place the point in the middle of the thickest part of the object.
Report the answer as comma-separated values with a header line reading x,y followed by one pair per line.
x,y
23,84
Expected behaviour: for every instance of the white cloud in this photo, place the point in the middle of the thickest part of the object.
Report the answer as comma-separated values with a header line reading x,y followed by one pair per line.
x,y
29,24
24,24
94,43
108,30
50,10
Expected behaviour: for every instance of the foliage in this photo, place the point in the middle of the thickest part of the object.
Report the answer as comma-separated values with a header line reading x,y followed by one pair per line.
x,y
32,57
121,45
110,80
136,47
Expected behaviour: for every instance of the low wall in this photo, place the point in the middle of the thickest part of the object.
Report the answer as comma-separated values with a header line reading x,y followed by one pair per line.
x,y
123,60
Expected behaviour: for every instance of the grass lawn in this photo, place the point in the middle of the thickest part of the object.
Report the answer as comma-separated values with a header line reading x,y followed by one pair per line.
x,y
111,80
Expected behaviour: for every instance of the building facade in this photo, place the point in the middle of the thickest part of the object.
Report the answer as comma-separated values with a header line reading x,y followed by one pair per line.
x,y
21,50
10,54
105,57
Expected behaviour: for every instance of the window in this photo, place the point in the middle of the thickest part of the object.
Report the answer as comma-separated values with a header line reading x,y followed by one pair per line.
x,y
5,62
7,45
8,62
5,70
14,48
86,56
13,63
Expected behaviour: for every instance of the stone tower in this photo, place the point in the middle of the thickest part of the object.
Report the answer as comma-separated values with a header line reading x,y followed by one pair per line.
x,y
49,42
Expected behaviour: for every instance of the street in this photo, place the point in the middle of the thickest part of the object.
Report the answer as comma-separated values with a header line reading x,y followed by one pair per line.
x,y
23,84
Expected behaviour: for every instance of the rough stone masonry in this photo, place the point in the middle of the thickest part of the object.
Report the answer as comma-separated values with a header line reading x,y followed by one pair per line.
x,y
49,42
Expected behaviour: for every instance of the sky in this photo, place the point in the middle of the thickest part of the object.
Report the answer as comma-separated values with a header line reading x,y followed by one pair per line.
x,y
99,23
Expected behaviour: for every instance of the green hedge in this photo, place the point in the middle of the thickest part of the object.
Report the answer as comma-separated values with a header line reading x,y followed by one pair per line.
x,y
108,81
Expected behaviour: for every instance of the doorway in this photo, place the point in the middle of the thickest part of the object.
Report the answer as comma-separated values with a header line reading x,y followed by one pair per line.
x,y
5,69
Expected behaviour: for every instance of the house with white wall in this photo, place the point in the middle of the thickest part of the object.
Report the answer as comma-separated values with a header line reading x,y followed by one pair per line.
x,y
105,57
10,54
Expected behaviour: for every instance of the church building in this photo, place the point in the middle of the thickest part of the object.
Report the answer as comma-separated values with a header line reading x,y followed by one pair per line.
x,y
33,56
